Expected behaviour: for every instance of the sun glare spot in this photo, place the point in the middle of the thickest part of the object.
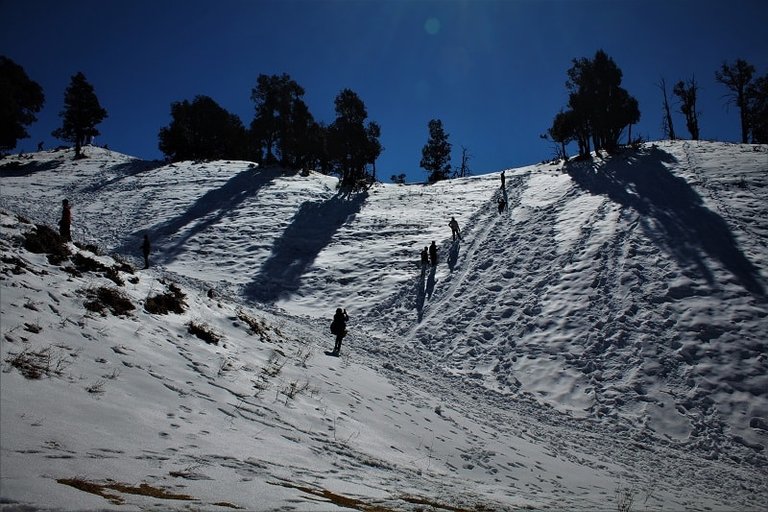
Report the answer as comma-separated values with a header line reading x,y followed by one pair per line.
x,y
432,26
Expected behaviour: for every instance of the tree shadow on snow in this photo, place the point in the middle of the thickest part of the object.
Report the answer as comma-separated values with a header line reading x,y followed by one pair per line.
x,y
671,212
16,169
208,210
126,170
310,231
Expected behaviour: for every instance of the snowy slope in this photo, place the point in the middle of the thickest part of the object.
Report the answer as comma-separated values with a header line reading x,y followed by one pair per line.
x,y
607,332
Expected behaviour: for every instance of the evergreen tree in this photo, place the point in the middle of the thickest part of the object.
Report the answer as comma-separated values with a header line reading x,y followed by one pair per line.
x,y
686,92
283,125
351,144
602,109
82,112
757,101
737,78
436,153
563,131
202,130
20,99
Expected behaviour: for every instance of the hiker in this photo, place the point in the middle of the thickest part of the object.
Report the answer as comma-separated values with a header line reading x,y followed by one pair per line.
x,y
65,223
503,179
145,248
40,146
433,253
454,228
424,258
502,205
339,328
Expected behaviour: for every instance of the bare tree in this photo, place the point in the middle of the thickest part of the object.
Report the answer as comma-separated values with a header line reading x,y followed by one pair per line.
x,y
686,91
669,130
463,170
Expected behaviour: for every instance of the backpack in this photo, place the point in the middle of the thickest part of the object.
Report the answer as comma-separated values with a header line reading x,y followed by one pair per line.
x,y
334,327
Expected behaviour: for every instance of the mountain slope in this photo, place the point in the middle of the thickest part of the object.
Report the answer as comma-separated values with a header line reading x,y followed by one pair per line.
x,y
608,331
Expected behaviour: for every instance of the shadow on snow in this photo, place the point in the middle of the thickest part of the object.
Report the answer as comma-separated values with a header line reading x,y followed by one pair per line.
x,y
207,211
672,213
310,231
126,170
16,169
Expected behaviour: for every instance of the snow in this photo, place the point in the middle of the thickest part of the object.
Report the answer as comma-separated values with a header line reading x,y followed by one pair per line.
x,y
603,337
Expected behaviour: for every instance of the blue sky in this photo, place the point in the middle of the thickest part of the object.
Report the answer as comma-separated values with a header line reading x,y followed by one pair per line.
x,y
493,71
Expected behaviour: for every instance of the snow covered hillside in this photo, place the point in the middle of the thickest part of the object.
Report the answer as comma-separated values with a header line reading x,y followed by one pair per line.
x,y
603,340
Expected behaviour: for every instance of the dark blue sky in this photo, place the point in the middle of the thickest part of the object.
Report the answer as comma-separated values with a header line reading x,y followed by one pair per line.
x,y
493,71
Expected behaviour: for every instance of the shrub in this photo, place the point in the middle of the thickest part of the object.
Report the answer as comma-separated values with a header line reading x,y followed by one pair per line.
x,y
113,275
122,265
86,264
108,298
256,326
44,240
169,302
204,332
88,247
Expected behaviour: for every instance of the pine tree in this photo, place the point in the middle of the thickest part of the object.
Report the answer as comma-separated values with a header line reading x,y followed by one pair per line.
x,y
202,130
20,99
563,131
283,126
757,101
436,153
351,144
82,112
737,79
602,109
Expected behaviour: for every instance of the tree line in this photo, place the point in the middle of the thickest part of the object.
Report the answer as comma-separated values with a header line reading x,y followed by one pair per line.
x,y
599,110
283,131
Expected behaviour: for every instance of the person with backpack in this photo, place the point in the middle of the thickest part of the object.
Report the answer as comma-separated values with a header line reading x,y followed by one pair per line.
x,y
339,329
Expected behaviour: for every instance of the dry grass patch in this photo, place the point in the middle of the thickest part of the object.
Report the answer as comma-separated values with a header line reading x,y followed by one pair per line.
x,y
103,298
204,332
257,326
102,490
359,504
336,499
37,364
170,302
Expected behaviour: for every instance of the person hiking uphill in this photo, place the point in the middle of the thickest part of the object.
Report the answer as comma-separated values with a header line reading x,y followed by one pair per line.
x,y
339,328
65,224
145,248
454,228
433,253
